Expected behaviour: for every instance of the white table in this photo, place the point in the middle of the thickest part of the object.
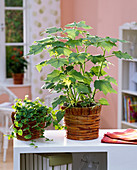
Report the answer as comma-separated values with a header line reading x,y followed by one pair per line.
x,y
119,156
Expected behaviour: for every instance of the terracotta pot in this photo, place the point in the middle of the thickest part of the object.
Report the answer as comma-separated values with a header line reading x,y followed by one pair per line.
x,y
82,123
18,78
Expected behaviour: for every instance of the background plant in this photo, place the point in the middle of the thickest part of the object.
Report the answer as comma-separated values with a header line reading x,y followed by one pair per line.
x,y
16,63
69,57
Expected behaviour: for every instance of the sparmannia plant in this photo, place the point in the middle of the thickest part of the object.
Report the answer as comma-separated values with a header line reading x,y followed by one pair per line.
x,y
69,54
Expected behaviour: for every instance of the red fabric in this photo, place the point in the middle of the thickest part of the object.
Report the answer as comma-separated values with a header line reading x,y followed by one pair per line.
x,y
128,136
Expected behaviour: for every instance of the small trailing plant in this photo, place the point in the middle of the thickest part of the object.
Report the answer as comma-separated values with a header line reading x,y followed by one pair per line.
x,y
75,69
27,111
16,62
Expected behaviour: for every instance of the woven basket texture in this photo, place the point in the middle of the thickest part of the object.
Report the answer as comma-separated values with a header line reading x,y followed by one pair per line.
x,y
82,123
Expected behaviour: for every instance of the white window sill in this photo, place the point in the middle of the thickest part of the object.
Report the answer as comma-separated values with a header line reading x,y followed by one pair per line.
x,y
9,83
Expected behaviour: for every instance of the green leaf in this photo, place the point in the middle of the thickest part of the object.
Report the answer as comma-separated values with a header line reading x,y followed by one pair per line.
x,y
53,30
82,24
77,58
32,144
54,76
57,62
41,65
16,123
36,49
20,132
111,80
104,86
60,51
60,100
58,44
96,59
73,43
60,115
77,75
81,88
74,24
107,45
103,101
72,33
120,55
95,71
27,136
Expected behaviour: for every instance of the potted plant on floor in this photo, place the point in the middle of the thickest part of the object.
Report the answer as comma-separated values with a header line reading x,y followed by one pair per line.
x,y
17,65
75,72
30,119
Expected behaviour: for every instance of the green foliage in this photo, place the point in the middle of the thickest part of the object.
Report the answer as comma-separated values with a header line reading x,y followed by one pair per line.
x,y
16,63
69,56
27,111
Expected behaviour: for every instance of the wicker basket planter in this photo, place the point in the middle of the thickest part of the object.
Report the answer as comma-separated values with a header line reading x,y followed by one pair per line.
x,y
18,78
82,123
34,132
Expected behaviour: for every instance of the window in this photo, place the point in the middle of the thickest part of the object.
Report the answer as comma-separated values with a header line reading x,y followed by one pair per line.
x,y
13,34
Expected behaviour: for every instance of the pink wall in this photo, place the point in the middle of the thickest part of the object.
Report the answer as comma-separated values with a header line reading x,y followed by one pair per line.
x,y
105,16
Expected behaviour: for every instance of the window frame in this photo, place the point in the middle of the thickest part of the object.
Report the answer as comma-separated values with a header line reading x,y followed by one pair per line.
x,y
3,43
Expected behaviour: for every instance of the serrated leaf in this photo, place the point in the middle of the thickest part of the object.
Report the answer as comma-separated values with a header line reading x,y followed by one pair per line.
x,y
96,59
104,86
57,62
71,24
82,24
53,30
60,51
72,33
41,65
120,55
111,80
77,58
73,43
60,115
54,76
58,44
103,101
77,75
27,136
107,45
81,88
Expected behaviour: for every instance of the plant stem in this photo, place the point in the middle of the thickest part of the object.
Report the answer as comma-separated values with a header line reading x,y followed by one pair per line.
x,y
99,74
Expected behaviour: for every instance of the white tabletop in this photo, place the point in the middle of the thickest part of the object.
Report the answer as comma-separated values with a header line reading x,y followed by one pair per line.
x,y
61,144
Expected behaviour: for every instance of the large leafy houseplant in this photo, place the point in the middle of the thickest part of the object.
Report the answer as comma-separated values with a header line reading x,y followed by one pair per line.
x,y
75,68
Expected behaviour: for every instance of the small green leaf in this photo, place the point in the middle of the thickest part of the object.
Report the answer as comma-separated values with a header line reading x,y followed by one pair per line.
x,y
41,65
82,24
95,71
73,43
103,101
60,115
53,30
81,88
20,132
60,100
28,136
111,80
77,58
77,75
107,45
57,62
120,55
16,123
104,86
72,33
32,144
96,59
